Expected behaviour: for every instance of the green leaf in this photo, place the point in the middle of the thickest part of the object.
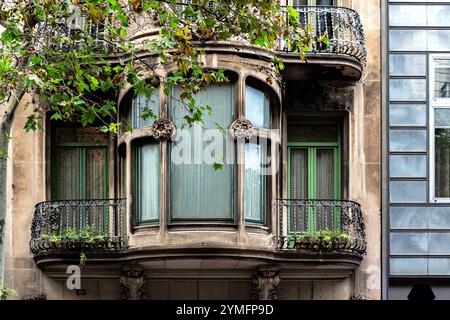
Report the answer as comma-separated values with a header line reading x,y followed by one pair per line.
x,y
218,166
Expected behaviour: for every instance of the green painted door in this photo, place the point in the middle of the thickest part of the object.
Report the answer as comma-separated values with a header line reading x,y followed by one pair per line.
x,y
314,173
80,173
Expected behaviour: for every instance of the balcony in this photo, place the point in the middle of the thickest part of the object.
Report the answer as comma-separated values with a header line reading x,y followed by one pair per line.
x,y
78,225
342,27
344,54
319,226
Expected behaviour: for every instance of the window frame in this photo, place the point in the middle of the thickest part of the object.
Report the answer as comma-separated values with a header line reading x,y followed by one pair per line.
x,y
233,219
267,188
435,103
81,153
136,145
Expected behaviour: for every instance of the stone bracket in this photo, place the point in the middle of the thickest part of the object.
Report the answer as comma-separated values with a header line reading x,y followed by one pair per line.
x,y
266,280
133,280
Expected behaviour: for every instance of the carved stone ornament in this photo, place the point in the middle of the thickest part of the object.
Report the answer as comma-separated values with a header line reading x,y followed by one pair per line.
x,y
133,282
242,129
162,129
266,281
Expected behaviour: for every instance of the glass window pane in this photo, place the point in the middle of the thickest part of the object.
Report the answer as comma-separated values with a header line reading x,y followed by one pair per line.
x,y
147,182
408,40
144,109
408,191
255,183
197,190
439,218
438,267
408,217
221,98
407,89
439,40
408,115
407,65
408,243
408,140
408,166
438,15
257,107
439,243
442,78
442,163
407,15
442,117
408,266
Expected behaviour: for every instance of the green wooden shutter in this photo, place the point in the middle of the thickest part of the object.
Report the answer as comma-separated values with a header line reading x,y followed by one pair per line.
x,y
96,173
67,174
299,174
314,174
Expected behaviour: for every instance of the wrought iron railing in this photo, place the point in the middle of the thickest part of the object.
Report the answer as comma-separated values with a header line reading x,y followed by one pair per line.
x,y
319,225
79,225
342,28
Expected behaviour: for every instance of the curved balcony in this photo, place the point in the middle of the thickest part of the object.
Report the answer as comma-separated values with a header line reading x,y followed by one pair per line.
x,y
341,26
320,226
342,55
74,225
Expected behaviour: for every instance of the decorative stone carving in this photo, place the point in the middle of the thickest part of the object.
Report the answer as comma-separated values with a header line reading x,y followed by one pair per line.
x,y
133,282
242,129
265,281
162,129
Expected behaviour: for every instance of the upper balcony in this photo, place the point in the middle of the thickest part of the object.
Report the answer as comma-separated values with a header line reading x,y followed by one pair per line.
x,y
343,55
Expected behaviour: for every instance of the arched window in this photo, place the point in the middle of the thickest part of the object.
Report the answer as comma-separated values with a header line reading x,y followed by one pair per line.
x,y
146,159
143,109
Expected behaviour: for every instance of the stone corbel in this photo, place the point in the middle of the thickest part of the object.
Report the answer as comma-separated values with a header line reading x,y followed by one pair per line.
x,y
133,282
242,129
266,281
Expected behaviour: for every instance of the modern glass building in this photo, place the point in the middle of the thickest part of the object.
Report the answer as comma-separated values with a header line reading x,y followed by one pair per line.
x,y
417,147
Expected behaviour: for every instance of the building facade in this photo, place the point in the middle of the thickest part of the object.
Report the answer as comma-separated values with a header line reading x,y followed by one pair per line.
x,y
416,207
294,213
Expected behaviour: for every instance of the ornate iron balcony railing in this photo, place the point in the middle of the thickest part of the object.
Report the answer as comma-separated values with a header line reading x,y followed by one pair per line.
x,y
319,225
79,225
342,27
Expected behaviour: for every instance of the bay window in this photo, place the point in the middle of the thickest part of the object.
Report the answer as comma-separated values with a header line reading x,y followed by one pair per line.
x,y
203,166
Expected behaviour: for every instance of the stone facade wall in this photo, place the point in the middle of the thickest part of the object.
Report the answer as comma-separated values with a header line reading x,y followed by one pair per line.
x,y
27,186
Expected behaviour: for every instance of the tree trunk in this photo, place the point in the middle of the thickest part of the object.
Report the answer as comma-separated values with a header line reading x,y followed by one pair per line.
x,y
7,110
